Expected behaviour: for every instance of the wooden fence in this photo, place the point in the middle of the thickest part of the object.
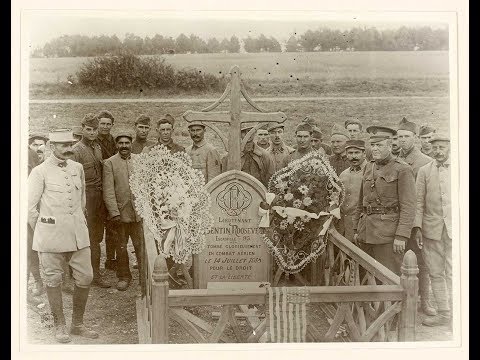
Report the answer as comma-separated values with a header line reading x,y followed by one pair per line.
x,y
358,294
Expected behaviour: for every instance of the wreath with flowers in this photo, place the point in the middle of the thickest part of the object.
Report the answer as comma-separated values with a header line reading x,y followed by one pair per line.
x,y
171,198
303,199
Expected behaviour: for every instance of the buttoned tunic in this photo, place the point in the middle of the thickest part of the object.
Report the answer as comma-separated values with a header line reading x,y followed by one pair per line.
x,y
107,145
138,145
280,155
89,154
59,193
206,159
415,158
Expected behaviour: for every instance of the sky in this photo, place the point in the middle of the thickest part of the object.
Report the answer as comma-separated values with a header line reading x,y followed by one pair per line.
x,y
43,26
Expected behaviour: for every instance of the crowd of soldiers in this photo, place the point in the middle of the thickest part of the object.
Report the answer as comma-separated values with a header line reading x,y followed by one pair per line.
x,y
397,197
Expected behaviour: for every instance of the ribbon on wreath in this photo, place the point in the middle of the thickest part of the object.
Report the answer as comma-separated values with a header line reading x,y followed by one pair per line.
x,y
265,213
174,234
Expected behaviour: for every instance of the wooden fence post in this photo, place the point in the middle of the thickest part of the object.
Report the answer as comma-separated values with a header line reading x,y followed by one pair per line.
x,y
160,301
409,282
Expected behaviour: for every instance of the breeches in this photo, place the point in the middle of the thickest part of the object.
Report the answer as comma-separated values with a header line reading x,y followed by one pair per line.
x,y
384,254
54,264
33,264
95,223
438,258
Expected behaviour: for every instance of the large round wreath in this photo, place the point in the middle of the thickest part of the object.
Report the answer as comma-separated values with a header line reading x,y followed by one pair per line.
x,y
308,194
171,198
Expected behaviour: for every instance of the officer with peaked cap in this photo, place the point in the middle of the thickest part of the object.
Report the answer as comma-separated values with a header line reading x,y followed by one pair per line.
x,y
56,207
385,212
426,133
338,139
278,150
142,128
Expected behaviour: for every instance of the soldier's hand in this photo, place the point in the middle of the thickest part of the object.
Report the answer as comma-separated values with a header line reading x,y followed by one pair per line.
x,y
115,219
418,237
398,246
355,238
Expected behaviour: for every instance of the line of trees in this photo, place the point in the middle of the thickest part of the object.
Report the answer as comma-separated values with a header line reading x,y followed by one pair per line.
x,y
323,39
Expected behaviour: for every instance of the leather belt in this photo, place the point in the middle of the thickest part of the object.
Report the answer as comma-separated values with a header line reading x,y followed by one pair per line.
x,y
380,209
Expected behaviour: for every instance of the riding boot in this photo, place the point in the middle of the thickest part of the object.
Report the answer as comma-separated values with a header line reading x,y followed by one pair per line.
x,y
424,292
80,297
55,300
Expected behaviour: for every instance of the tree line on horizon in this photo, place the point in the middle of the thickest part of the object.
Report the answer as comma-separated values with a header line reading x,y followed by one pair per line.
x,y
323,39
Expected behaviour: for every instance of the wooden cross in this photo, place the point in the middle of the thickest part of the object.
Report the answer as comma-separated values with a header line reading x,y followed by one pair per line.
x,y
235,117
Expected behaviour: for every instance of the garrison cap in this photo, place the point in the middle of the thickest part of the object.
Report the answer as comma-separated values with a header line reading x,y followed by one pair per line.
x,y
37,136
425,129
439,137
303,126
105,114
338,130
196,123
90,120
166,119
263,127
61,136
275,125
123,134
317,133
143,119
310,120
358,144
379,133
77,131
353,121
407,125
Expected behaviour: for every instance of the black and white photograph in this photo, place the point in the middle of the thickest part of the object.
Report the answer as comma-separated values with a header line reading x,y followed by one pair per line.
x,y
238,177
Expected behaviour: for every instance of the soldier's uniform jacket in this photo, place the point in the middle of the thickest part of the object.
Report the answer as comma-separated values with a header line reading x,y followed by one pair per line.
x,y
299,154
59,192
33,160
280,155
259,164
339,162
173,147
138,146
429,153
89,154
107,145
206,159
389,185
415,158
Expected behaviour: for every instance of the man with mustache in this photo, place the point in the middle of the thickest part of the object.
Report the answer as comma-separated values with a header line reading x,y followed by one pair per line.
x,y
142,128
383,220
88,153
303,136
426,133
433,227
352,180
278,150
204,155
165,132
338,140
120,204
412,155
56,208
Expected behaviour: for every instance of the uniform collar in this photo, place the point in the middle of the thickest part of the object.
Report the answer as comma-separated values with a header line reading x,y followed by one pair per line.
x,y
105,138
168,145
56,161
87,142
384,161
199,145
446,162
359,168
404,154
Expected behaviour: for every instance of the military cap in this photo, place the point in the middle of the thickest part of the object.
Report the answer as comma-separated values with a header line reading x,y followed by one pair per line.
x,y
358,144
167,119
106,114
310,120
353,121
196,123
317,133
246,129
407,125
143,119
439,137
379,133
338,130
425,129
33,136
61,136
90,120
275,125
263,127
303,126
123,134
77,131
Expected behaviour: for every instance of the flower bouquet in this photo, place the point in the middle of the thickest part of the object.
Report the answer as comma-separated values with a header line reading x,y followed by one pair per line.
x,y
307,195
171,198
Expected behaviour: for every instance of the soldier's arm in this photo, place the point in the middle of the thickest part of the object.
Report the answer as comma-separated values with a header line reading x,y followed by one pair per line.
x,y
214,164
109,191
270,165
358,209
84,196
36,185
421,187
406,201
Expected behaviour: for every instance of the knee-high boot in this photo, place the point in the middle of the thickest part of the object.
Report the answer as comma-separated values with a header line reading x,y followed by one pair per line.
x,y
55,300
80,297
424,291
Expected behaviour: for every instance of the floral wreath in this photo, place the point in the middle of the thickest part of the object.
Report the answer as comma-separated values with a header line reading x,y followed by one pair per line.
x,y
303,198
171,198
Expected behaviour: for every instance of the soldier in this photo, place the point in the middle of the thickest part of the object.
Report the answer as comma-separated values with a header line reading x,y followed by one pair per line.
x,y
383,221
395,146
88,153
278,150
354,128
204,155
165,131
426,133
317,141
303,136
262,137
109,148
413,156
56,207
338,159
352,180
433,227
77,133
120,204
142,128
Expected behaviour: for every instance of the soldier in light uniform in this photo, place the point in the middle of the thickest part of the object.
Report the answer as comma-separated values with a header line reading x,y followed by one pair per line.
x,y
416,159
56,207
433,227
352,180
338,139
426,133
142,128
204,155
278,150
385,212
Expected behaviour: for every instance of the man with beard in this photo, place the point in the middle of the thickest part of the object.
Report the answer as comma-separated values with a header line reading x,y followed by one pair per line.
x,y
107,144
88,153
413,156
142,128
352,180
426,133
383,220
395,146
165,132
278,150
262,137
120,204
433,227
56,207
204,155
303,136
338,140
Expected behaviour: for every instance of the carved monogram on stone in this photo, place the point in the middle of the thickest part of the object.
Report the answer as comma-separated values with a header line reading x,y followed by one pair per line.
x,y
234,199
